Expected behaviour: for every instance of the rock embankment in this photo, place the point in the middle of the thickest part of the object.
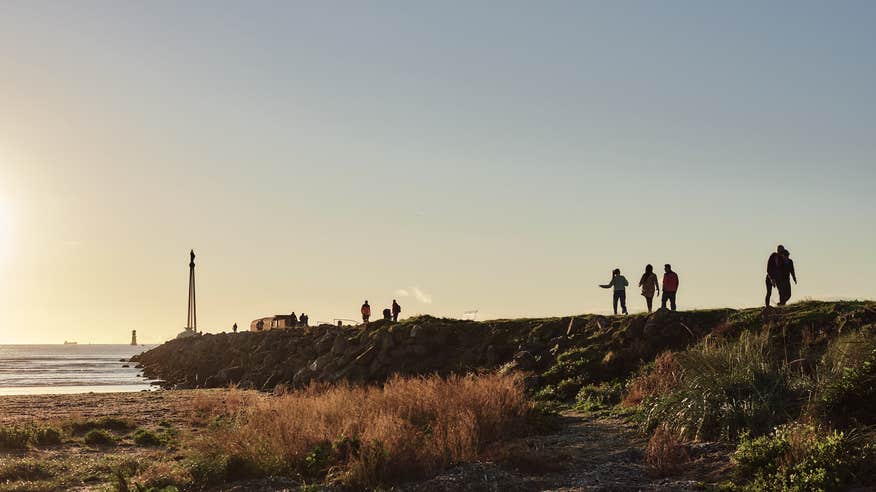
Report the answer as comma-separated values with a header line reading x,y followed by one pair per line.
x,y
614,346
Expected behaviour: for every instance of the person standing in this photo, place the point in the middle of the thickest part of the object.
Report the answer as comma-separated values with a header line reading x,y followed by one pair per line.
x,y
303,319
670,286
649,285
234,328
784,281
366,312
775,268
619,284
396,310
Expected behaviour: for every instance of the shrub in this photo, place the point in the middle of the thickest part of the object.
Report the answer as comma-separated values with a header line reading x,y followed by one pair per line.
x,y
14,437
726,388
47,436
362,437
665,455
105,423
848,401
802,457
599,396
145,437
162,475
99,437
26,470
571,364
654,379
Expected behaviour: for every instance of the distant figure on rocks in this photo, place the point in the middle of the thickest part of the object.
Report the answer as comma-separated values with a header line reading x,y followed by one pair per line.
x,y
366,312
396,310
670,286
303,319
784,282
775,267
293,320
619,283
649,285
387,314
234,328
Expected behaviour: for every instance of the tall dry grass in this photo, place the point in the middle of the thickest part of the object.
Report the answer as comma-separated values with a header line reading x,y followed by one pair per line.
x,y
360,436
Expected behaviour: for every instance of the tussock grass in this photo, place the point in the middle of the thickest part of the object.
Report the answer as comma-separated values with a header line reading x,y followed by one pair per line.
x,y
665,455
99,438
17,437
725,388
117,424
358,436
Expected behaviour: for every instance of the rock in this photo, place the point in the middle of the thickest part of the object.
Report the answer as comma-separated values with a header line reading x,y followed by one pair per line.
x,y
524,361
325,343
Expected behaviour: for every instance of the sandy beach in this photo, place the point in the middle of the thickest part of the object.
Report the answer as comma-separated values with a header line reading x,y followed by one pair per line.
x,y
144,407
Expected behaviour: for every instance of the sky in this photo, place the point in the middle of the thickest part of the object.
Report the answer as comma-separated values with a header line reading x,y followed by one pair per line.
x,y
501,157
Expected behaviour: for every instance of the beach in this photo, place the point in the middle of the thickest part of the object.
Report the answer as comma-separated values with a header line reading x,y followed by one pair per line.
x,y
143,407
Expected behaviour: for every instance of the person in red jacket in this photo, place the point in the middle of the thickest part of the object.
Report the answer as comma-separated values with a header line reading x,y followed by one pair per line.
x,y
670,286
366,312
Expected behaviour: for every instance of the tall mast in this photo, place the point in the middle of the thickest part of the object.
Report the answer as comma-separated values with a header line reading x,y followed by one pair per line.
x,y
192,323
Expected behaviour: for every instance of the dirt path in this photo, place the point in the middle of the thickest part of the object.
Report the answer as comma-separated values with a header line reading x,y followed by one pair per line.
x,y
589,453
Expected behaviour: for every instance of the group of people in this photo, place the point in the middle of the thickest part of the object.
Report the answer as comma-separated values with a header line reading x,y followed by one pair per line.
x,y
389,314
780,271
649,285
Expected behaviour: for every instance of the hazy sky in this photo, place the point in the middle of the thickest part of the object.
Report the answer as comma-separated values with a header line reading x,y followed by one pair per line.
x,y
498,156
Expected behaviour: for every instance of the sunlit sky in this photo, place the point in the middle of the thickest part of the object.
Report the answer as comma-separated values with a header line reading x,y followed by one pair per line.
x,y
494,156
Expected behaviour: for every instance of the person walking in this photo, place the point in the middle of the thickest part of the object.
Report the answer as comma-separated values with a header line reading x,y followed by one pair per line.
x,y
649,285
396,310
366,312
670,286
619,284
784,281
775,267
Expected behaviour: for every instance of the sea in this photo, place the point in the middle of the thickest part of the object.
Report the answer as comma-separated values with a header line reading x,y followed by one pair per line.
x,y
66,369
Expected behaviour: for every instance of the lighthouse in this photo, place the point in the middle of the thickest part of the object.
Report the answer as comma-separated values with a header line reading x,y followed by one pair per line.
x,y
133,337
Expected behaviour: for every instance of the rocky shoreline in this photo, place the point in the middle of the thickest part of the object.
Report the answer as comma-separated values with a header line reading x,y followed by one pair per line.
x,y
422,345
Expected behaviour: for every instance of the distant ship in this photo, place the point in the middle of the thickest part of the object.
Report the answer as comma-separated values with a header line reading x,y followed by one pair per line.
x,y
70,343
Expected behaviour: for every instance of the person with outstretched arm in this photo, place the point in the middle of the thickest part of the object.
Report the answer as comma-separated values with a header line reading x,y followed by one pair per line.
x,y
619,284
670,286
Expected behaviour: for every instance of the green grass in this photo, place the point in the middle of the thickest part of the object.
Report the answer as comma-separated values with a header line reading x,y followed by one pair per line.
x,y
105,423
146,438
99,438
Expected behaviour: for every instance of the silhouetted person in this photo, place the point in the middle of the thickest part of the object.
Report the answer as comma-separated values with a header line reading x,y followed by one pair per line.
x,y
784,281
670,286
293,320
649,285
619,284
396,310
260,325
303,319
387,314
775,267
234,328
366,312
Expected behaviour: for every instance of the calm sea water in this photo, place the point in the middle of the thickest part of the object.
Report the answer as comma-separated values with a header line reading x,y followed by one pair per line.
x,y
61,369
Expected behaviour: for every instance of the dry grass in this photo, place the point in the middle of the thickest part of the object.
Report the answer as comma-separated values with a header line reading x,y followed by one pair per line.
x,y
665,455
361,436
661,379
